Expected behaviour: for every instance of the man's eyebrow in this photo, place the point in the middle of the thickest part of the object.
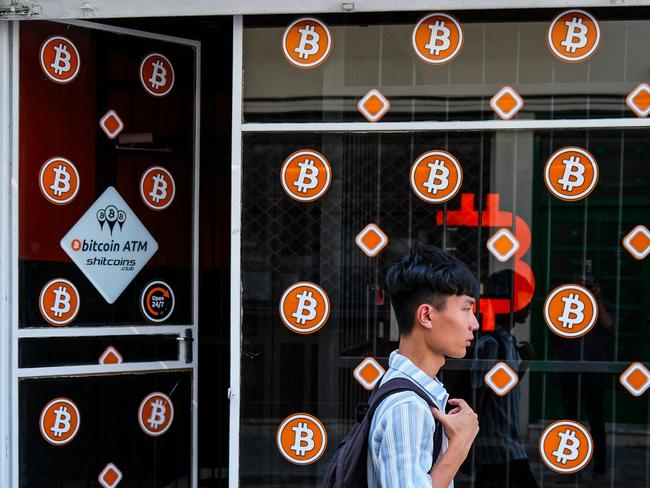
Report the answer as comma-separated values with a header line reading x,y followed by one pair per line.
x,y
471,300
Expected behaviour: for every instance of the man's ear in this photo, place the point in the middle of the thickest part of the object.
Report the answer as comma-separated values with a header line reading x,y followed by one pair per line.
x,y
424,316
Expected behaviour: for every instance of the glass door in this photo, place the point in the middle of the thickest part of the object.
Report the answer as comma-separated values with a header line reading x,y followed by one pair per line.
x,y
104,304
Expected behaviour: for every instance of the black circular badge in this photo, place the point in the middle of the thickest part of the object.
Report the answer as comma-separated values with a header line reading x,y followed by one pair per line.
x,y
157,301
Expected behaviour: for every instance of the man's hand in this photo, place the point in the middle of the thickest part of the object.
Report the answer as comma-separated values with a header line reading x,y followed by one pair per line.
x,y
461,423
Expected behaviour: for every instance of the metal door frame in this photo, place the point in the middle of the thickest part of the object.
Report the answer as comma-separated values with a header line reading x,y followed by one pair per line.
x,y
9,239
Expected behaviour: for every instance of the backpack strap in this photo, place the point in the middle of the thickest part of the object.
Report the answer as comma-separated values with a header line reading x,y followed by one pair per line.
x,y
402,384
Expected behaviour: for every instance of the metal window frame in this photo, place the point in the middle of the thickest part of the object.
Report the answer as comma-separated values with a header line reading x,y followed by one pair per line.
x,y
10,333
74,9
239,128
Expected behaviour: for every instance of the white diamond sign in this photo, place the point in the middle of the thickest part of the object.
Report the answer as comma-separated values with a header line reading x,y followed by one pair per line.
x,y
109,244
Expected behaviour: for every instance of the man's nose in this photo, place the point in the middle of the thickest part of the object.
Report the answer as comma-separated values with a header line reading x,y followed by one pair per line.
x,y
475,325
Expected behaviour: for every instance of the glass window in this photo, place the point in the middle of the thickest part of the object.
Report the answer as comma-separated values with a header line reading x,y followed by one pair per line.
x,y
286,241
499,48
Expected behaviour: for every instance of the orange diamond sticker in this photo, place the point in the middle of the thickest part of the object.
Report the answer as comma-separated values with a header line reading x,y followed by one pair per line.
x,y
501,379
371,240
368,373
506,103
110,356
639,100
503,245
636,379
111,124
637,242
110,476
373,106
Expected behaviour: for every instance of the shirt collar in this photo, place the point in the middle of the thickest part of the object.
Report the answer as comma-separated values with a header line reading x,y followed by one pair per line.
x,y
433,386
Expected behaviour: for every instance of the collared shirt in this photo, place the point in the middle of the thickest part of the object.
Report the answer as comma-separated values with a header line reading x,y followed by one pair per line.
x,y
400,442
498,440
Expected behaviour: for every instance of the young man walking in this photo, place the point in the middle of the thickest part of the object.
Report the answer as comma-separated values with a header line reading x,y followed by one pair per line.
x,y
432,294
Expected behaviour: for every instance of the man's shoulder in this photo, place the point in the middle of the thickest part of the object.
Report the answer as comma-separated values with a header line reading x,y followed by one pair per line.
x,y
400,404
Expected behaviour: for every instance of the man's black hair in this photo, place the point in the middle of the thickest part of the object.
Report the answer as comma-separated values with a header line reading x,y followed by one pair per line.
x,y
426,275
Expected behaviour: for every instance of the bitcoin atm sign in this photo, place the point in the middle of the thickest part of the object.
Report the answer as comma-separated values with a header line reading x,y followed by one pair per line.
x,y
109,244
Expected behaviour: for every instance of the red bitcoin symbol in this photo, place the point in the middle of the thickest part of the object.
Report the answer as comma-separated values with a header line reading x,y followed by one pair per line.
x,y
524,279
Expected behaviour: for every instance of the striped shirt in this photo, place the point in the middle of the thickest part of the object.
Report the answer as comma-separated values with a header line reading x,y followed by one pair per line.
x,y
400,442
498,440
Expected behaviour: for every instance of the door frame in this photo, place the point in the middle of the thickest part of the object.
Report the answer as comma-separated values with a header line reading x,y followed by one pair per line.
x,y
9,253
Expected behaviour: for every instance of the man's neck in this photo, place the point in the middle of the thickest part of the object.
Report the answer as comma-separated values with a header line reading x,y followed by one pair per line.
x,y
423,358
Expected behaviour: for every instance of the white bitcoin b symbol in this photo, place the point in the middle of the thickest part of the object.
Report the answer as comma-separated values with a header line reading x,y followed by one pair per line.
x,y
308,35
573,173
61,302
573,311
438,33
307,171
575,29
158,411
303,440
61,182
62,422
306,309
158,75
437,171
61,62
159,191
568,442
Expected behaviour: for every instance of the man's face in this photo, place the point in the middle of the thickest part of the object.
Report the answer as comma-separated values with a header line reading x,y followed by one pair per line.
x,y
452,328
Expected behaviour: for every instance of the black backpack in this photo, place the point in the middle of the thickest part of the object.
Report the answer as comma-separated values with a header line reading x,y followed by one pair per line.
x,y
349,465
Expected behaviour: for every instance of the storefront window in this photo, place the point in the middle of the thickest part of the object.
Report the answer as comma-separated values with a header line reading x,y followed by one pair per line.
x,y
499,48
535,210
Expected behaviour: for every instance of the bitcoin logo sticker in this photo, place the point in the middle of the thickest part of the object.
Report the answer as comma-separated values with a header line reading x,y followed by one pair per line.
x,y
156,414
60,59
573,36
436,176
571,173
307,42
59,421
157,74
570,311
566,446
301,438
437,38
306,175
59,302
304,307
59,180
157,188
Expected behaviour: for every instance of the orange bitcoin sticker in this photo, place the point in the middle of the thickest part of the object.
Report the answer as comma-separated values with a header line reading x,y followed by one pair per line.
x,y
301,438
304,307
59,302
60,59
570,311
306,175
566,446
501,378
573,36
571,173
157,74
157,188
110,476
436,176
437,38
156,414
59,421
59,180
307,42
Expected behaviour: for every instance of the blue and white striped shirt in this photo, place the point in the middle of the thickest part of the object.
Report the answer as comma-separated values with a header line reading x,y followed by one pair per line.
x,y
400,443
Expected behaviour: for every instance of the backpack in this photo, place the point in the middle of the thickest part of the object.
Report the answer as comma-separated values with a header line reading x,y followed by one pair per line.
x,y
348,468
